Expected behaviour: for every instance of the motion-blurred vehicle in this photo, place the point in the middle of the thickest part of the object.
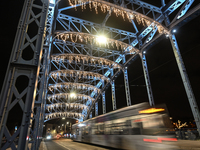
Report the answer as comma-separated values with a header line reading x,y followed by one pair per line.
x,y
68,135
137,127
53,135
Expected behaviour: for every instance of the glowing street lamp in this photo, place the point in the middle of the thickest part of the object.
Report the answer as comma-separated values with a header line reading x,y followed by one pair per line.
x,y
101,39
63,118
72,95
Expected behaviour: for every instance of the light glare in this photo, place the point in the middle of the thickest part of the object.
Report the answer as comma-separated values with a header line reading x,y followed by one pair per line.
x,y
174,30
101,39
72,95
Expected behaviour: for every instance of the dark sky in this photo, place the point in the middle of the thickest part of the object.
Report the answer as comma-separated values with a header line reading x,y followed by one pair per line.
x,y
164,74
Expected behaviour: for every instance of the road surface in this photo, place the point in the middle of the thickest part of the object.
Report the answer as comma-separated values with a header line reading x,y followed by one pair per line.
x,y
68,144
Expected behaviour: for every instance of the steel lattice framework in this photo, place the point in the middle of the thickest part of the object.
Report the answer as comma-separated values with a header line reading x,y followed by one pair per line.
x,y
67,57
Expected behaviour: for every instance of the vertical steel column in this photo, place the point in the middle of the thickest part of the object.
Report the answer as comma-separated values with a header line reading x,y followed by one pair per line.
x,y
103,102
90,114
128,97
20,67
113,92
40,100
186,81
147,79
113,95
25,68
96,109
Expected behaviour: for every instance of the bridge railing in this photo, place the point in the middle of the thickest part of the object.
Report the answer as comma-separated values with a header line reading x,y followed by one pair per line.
x,y
187,134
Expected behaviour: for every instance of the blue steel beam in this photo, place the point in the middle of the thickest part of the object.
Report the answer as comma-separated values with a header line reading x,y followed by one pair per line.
x,y
147,79
113,91
186,82
128,97
95,26
186,18
184,9
172,6
142,4
104,102
96,109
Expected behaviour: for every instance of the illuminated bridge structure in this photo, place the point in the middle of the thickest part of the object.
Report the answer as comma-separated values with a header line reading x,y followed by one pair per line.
x,y
69,67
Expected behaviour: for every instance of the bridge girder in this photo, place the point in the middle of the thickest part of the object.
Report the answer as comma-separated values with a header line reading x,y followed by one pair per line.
x,y
36,69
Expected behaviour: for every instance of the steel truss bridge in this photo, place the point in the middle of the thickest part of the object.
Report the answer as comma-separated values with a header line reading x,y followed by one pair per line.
x,y
65,56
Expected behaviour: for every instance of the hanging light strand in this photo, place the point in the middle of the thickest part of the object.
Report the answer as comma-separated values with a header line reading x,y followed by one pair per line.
x,y
119,11
67,96
94,40
85,59
78,73
68,85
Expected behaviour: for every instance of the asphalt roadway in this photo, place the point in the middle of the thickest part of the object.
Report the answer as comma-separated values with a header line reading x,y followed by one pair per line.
x,y
68,144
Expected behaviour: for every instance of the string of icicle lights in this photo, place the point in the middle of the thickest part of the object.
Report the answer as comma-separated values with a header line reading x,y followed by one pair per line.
x,y
85,59
67,96
63,114
66,105
78,73
68,85
94,40
119,11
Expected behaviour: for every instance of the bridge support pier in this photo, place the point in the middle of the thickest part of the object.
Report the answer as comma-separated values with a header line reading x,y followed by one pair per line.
x,y
186,82
147,79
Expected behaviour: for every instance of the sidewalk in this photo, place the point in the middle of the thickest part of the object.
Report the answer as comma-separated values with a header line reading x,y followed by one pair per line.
x,y
42,146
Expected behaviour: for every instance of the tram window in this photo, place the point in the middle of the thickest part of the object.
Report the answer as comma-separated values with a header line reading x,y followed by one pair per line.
x,y
94,129
86,131
101,129
153,122
77,131
107,128
117,129
136,128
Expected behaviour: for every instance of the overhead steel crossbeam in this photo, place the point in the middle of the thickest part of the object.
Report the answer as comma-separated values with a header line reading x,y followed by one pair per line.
x,y
94,28
172,6
186,18
118,10
183,10
142,5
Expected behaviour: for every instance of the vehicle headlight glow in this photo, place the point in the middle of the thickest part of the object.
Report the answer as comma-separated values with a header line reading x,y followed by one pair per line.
x,y
49,137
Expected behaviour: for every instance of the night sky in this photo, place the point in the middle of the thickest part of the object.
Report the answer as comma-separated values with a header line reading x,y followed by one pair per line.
x,y
165,78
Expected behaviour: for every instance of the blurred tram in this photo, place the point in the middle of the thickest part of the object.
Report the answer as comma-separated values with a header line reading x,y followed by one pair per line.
x,y
137,127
